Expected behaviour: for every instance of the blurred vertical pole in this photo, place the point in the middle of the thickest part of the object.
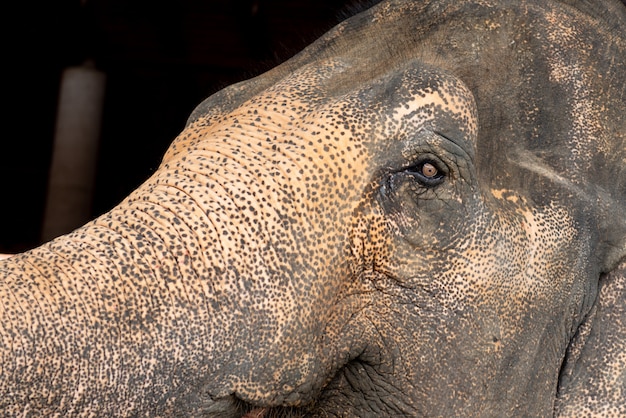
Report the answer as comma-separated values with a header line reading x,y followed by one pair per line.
x,y
74,156
77,132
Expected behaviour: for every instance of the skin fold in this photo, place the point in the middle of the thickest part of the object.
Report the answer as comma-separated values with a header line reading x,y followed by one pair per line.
x,y
421,214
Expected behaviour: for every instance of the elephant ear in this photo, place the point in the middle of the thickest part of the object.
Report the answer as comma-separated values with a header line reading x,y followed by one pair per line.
x,y
593,380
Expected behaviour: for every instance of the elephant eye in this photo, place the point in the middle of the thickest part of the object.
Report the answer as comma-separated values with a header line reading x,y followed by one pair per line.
x,y
427,173
429,170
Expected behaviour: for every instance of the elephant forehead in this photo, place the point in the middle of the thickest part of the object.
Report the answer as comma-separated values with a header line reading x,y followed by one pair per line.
x,y
338,105
411,91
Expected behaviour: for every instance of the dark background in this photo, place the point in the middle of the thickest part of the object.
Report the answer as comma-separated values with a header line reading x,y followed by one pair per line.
x,y
161,59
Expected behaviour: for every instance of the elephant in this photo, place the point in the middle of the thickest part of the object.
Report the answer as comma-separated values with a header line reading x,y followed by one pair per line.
x,y
422,213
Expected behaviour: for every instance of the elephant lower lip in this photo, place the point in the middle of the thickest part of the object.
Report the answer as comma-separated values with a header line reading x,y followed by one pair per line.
x,y
256,413
250,411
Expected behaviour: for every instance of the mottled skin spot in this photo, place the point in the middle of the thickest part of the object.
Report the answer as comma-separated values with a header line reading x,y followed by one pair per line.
x,y
421,214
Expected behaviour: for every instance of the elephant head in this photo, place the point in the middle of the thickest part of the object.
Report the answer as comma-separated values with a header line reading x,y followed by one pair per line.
x,y
421,214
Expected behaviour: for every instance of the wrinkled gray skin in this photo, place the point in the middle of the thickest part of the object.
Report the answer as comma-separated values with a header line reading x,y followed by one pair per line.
x,y
421,214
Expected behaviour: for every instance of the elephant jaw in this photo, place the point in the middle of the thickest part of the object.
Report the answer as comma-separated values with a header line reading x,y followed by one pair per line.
x,y
295,393
347,385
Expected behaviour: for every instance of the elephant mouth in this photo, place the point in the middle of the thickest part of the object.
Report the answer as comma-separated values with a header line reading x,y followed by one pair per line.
x,y
232,407
256,412
337,394
353,386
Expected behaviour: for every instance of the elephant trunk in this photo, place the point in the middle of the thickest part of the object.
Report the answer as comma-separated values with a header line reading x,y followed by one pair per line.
x,y
103,317
177,297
